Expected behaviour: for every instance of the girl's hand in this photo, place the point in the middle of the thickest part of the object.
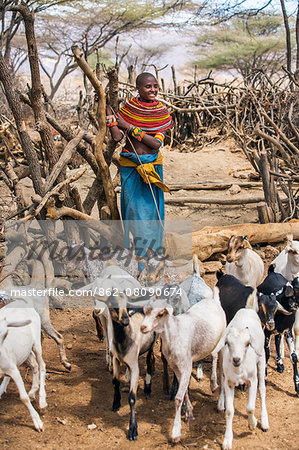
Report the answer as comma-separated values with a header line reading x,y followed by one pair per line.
x,y
123,124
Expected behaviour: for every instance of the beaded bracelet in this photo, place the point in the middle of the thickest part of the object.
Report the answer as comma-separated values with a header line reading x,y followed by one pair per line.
x,y
138,134
111,124
111,121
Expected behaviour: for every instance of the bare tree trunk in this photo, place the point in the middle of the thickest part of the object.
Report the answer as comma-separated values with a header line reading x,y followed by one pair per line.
x,y
36,88
288,36
16,108
99,138
297,38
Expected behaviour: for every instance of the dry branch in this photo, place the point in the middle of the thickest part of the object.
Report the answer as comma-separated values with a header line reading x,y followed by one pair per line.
x,y
54,191
212,240
212,185
214,201
99,139
64,159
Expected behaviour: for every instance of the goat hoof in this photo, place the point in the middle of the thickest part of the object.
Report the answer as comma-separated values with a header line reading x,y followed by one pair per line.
x,y
67,365
147,389
265,430
115,408
133,433
189,420
176,440
280,368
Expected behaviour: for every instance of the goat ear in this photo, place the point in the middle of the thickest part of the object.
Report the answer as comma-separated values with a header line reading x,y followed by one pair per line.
x,y
283,310
252,301
221,343
168,310
246,243
289,290
253,344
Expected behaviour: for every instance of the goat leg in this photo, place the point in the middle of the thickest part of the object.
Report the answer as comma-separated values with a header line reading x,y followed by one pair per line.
x,y
133,433
116,384
183,378
293,356
150,362
16,376
229,415
262,391
279,363
251,403
165,375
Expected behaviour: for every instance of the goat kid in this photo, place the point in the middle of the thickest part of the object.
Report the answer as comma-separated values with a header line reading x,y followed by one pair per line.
x,y
284,312
242,361
186,338
287,264
244,263
127,344
41,306
20,341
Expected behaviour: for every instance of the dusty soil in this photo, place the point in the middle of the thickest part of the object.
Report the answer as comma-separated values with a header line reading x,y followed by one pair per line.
x,y
84,396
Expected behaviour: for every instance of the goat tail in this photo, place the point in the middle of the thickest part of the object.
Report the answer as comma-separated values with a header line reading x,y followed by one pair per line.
x,y
195,264
252,301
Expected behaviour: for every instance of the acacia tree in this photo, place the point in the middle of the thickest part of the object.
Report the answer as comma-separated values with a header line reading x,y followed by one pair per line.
x,y
93,25
11,23
247,45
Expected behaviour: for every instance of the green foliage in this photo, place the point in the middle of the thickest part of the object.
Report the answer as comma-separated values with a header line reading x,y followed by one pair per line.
x,y
104,58
245,45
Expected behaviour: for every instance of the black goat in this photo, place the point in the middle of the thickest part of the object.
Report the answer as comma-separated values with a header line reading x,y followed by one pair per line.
x,y
284,298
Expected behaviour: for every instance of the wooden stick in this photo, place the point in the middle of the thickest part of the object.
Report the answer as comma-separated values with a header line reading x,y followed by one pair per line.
x,y
213,186
280,133
214,201
64,159
212,240
54,191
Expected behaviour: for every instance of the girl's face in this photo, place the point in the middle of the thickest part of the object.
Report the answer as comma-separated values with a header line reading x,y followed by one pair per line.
x,y
148,89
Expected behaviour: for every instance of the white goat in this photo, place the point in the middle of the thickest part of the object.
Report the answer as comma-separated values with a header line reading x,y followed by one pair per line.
x,y
20,341
186,338
242,361
244,263
41,305
287,263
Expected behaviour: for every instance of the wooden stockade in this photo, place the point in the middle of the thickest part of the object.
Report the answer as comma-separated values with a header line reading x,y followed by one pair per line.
x,y
262,114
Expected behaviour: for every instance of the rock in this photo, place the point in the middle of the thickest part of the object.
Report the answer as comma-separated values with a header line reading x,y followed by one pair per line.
x,y
92,426
62,421
261,253
271,252
69,346
212,266
240,175
234,189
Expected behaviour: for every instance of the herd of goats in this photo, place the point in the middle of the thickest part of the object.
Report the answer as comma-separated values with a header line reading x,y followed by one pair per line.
x,y
233,322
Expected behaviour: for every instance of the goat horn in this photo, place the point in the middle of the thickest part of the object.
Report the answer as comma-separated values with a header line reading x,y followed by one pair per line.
x,y
283,310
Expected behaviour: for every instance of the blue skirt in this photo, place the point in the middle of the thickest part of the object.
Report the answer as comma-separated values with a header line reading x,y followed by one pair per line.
x,y
138,209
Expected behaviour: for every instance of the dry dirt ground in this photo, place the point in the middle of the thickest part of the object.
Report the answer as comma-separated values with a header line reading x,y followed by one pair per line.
x,y
84,396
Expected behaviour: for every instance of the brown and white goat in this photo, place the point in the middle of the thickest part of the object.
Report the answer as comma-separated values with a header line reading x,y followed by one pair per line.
x,y
244,263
